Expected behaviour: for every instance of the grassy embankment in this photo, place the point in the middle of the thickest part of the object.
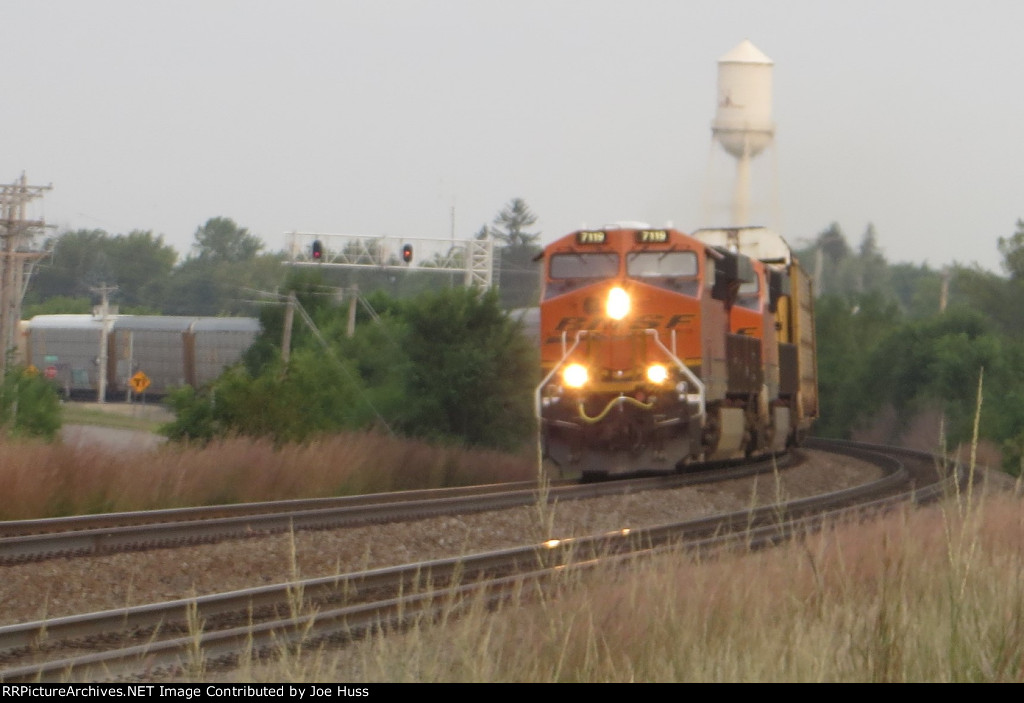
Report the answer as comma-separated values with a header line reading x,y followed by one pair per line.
x,y
45,480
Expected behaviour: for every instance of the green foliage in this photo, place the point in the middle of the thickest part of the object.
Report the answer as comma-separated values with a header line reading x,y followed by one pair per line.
x,y
886,341
220,239
449,366
29,405
217,280
215,286
138,263
58,305
998,298
1012,249
194,419
870,357
938,360
845,329
313,398
511,223
471,372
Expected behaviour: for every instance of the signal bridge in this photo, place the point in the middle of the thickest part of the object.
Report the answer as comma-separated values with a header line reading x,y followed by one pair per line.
x,y
473,258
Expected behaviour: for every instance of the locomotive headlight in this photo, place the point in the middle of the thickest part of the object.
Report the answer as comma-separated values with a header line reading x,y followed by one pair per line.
x,y
657,373
617,305
575,375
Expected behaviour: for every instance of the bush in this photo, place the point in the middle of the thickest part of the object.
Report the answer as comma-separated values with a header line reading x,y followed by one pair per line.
x,y
29,405
448,366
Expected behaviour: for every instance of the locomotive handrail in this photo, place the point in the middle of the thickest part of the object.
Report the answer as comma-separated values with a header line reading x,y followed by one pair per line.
x,y
554,370
690,375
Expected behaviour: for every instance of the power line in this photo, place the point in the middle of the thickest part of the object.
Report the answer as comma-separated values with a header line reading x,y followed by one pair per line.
x,y
17,257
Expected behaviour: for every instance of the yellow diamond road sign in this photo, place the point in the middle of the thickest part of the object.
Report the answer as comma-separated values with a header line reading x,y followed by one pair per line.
x,y
139,382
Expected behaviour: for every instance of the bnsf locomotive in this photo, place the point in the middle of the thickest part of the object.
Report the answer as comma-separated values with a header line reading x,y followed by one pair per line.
x,y
661,349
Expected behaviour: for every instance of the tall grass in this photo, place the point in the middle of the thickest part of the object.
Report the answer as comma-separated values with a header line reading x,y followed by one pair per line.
x,y
41,480
928,595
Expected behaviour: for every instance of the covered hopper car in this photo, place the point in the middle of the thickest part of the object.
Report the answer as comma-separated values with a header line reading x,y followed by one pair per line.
x,y
76,351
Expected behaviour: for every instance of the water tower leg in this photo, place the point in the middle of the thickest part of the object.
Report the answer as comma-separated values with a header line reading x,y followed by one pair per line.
x,y
741,196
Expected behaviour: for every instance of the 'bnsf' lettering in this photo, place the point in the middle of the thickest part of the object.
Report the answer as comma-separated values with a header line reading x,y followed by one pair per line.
x,y
591,237
649,236
574,324
677,320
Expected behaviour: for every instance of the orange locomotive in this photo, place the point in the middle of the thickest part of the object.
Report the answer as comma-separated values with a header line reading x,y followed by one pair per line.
x,y
662,349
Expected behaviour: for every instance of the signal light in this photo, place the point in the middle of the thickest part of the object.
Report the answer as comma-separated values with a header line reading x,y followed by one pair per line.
x,y
407,253
318,250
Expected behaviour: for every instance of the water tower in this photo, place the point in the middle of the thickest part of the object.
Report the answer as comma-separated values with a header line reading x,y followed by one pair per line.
x,y
743,120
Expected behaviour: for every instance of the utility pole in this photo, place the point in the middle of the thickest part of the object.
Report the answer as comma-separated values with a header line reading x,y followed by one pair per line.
x,y
17,258
104,291
350,330
286,335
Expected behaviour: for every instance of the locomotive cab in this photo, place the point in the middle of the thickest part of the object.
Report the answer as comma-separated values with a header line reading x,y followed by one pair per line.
x,y
623,347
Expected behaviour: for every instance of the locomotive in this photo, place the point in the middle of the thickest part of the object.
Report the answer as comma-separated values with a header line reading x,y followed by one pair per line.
x,y
661,350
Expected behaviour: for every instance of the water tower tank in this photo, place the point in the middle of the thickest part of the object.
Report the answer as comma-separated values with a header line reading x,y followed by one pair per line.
x,y
743,121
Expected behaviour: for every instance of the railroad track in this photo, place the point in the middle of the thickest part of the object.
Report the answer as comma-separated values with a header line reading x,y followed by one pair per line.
x,y
34,540
192,633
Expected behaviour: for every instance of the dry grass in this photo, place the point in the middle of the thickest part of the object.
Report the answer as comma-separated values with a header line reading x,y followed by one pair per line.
x,y
930,595
43,480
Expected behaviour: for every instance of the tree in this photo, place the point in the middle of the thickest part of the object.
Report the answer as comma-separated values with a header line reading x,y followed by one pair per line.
x,y
518,274
1012,249
833,243
142,264
471,371
217,287
220,239
138,263
227,261
65,272
511,223
870,268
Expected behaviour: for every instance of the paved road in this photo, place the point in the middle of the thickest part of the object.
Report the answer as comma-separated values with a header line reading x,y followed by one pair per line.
x,y
116,438
110,437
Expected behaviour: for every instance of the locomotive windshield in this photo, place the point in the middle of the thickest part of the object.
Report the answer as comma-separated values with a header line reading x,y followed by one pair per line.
x,y
586,265
749,294
674,270
649,264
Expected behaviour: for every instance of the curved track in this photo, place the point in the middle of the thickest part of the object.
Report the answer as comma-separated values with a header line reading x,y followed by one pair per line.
x,y
165,636
33,540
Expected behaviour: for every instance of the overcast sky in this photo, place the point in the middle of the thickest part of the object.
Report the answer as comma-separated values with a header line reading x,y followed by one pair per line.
x,y
381,117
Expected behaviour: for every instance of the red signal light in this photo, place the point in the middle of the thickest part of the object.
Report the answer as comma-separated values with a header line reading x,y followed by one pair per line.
x,y
318,249
407,253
